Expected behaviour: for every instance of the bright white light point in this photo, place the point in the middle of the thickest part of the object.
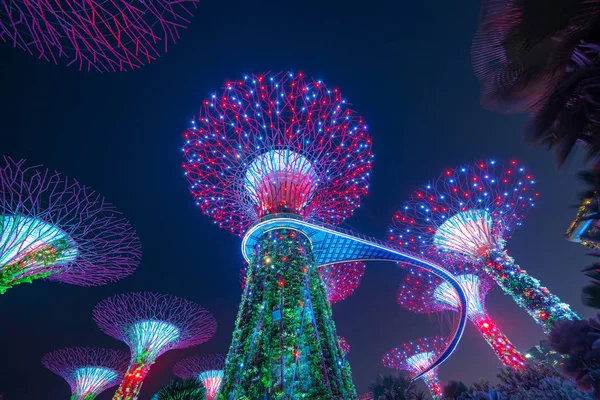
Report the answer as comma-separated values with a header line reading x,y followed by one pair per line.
x,y
468,233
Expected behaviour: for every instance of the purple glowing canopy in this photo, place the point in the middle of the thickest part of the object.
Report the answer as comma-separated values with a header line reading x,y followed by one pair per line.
x,y
88,371
103,35
55,228
153,323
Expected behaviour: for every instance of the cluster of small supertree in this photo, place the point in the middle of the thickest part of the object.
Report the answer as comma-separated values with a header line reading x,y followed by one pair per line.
x,y
280,144
88,371
544,59
425,293
107,36
416,357
54,228
466,215
208,369
151,324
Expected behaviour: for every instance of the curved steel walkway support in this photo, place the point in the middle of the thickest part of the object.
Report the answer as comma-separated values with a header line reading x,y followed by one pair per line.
x,y
333,245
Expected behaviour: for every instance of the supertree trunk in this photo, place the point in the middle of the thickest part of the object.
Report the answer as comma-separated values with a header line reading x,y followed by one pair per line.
x,y
433,385
504,349
132,382
285,345
544,307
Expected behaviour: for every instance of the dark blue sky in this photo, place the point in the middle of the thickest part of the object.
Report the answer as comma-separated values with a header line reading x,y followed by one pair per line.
x,y
404,66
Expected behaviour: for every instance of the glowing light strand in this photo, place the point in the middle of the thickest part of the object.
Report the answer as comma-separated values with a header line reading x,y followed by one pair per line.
x,y
107,36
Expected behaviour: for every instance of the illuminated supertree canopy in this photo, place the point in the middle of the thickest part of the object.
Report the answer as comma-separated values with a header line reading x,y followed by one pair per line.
x,y
416,357
466,215
88,371
269,144
208,369
54,228
273,143
424,293
542,58
151,324
106,36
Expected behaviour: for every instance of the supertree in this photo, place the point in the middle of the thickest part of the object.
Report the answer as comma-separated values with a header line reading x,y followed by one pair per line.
x,y
151,324
107,36
415,357
466,215
269,144
208,369
88,371
424,293
54,228
542,58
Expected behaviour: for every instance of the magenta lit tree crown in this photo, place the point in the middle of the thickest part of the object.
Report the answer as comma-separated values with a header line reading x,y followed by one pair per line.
x,y
467,211
208,369
342,279
277,143
152,323
55,228
103,35
88,371
416,357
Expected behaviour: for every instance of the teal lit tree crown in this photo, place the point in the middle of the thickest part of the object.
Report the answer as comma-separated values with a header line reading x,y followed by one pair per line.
x,y
88,371
152,323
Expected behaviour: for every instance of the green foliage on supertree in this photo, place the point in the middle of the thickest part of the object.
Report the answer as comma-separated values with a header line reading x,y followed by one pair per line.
x,y
182,389
285,343
14,273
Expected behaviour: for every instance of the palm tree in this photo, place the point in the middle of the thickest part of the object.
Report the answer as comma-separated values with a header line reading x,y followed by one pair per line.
x,y
454,389
392,387
580,341
182,389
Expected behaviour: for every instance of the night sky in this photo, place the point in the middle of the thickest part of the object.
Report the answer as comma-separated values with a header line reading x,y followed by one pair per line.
x,y
406,69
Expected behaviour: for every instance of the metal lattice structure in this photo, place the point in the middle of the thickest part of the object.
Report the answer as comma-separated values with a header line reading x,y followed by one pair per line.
x,y
102,35
273,143
342,279
417,358
425,293
466,215
55,228
151,324
207,368
88,371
